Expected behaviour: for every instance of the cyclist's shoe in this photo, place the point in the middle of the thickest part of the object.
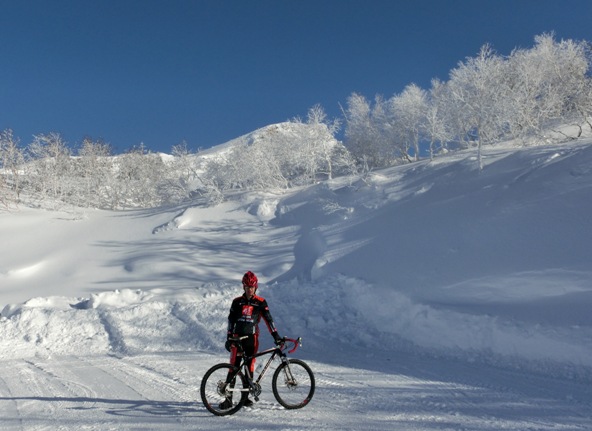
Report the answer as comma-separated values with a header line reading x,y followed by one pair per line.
x,y
226,404
248,403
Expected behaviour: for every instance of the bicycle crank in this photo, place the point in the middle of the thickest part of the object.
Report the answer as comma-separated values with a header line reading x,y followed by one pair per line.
x,y
255,390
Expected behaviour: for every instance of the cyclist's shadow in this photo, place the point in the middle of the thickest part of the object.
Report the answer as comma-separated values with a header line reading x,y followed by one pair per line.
x,y
121,407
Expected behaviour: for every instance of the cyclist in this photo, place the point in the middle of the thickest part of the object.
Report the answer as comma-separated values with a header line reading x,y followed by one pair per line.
x,y
245,313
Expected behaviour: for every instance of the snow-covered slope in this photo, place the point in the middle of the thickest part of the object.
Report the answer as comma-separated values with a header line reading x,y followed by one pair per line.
x,y
420,262
437,253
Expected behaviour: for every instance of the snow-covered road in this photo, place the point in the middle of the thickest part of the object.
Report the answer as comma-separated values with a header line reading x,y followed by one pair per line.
x,y
161,392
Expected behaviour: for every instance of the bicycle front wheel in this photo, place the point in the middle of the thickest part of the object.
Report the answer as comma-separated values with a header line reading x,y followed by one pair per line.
x,y
293,384
219,396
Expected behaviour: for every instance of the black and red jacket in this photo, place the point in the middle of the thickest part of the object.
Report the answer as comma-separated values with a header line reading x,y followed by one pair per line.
x,y
245,315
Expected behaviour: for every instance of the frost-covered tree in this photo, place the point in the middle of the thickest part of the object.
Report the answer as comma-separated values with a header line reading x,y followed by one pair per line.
x,y
435,126
49,170
549,83
12,160
269,160
358,125
138,173
368,132
95,173
321,153
408,116
183,175
474,89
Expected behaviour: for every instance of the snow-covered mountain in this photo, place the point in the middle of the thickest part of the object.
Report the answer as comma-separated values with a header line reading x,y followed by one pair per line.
x,y
429,296
290,133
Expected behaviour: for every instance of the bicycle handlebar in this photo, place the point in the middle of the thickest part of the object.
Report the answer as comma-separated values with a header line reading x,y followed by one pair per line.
x,y
296,342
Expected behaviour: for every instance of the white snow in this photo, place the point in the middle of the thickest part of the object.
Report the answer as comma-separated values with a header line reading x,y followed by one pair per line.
x,y
430,296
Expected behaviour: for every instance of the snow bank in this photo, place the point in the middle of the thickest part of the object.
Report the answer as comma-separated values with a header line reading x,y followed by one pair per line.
x,y
118,322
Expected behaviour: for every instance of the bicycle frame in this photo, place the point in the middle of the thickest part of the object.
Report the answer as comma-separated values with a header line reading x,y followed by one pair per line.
x,y
255,386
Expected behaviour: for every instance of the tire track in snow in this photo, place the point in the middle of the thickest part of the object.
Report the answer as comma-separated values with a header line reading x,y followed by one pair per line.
x,y
11,415
43,399
160,391
147,379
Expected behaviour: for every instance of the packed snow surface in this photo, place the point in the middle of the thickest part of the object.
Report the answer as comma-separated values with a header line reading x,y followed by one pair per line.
x,y
430,296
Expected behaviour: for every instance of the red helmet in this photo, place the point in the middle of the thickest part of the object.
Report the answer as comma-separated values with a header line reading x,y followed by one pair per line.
x,y
250,279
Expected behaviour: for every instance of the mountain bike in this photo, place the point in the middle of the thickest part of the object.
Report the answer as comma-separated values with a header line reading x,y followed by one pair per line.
x,y
225,388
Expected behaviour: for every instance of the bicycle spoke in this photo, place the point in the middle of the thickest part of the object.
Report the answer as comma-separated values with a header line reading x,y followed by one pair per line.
x,y
218,396
293,384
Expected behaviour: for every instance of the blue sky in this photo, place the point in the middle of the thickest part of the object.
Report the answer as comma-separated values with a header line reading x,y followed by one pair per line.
x,y
207,71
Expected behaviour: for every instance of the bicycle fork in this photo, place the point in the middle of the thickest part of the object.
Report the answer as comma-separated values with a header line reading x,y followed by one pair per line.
x,y
288,376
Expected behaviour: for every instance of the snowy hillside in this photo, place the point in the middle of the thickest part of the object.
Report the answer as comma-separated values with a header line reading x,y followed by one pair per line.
x,y
429,296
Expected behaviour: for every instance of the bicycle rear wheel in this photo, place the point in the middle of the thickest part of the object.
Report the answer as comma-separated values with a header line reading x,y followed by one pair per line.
x,y
223,398
293,384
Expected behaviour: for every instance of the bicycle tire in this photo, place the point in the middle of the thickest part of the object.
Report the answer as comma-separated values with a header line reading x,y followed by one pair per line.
x,y
214,390
293,384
